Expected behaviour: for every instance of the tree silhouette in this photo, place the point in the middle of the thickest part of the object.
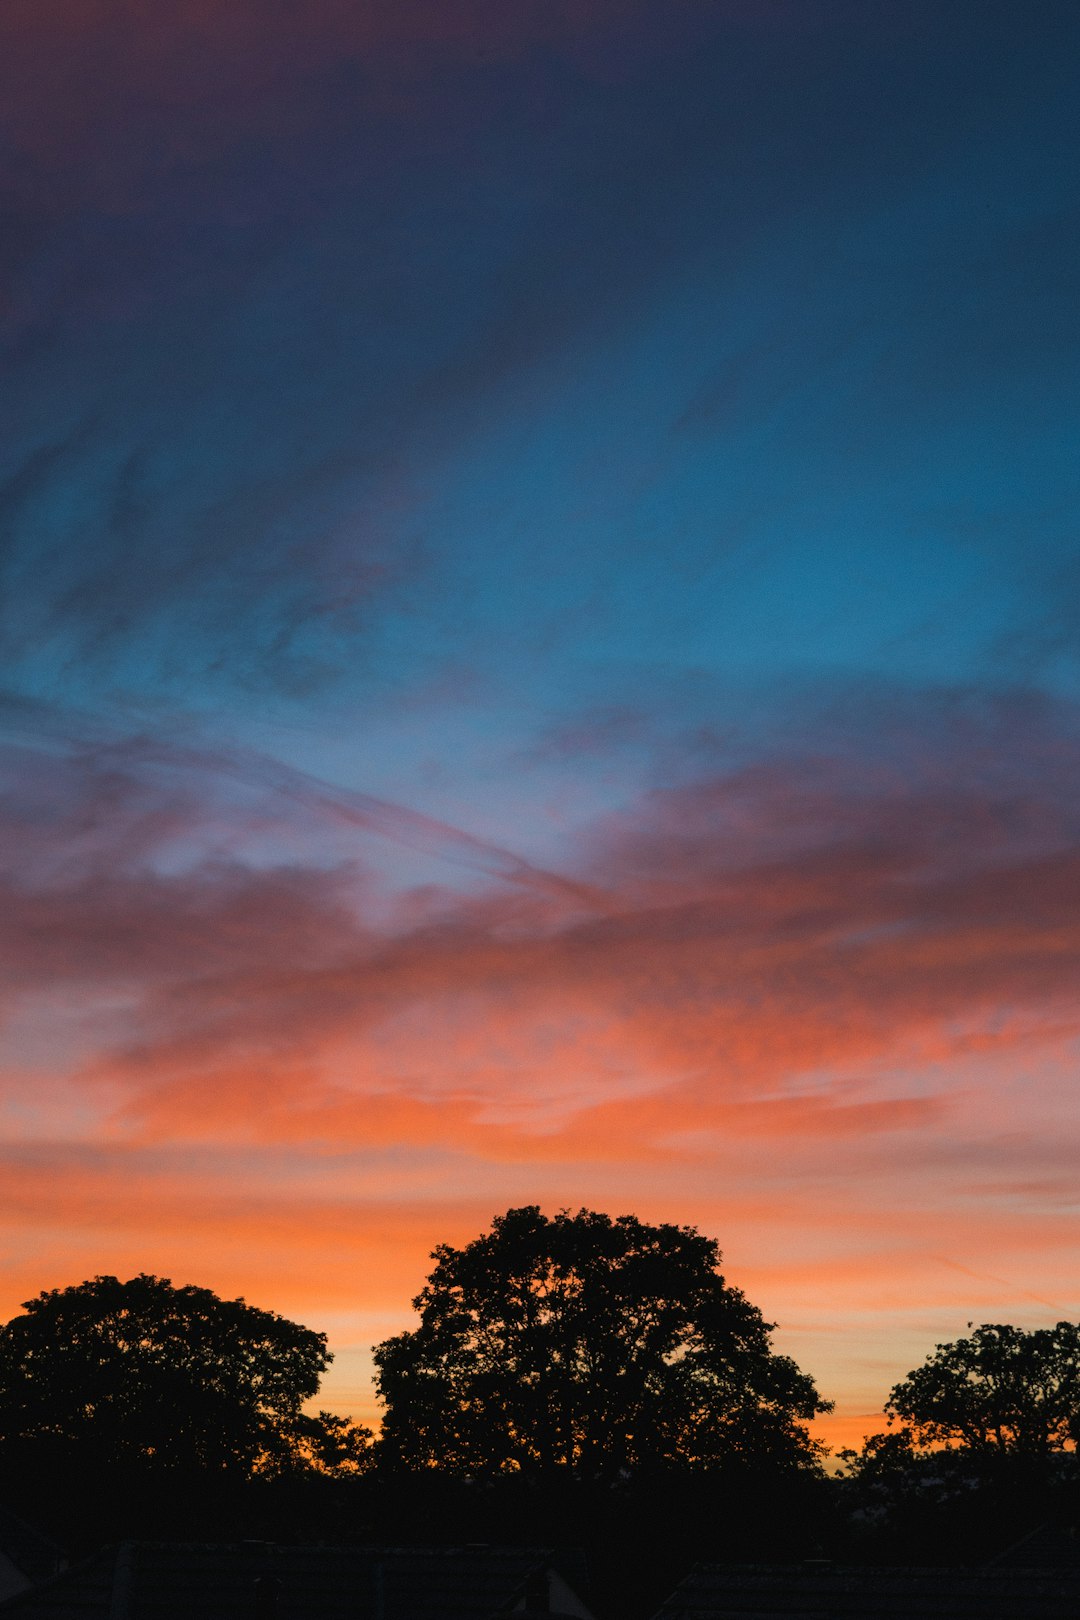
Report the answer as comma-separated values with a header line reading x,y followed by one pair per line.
x,y
1002,1390
982,1446
147,1376
587,1344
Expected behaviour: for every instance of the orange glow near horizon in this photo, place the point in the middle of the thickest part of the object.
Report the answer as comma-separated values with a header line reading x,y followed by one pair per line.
x,y
867,1225
849,1066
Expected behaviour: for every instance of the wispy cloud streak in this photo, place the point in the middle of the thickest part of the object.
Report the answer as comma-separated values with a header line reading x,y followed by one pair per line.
x,y
97,742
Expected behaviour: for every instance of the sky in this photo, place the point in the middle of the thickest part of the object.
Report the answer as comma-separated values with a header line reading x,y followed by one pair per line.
x,y
540,651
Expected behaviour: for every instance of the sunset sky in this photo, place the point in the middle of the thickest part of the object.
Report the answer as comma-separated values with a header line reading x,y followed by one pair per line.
x,y
540,631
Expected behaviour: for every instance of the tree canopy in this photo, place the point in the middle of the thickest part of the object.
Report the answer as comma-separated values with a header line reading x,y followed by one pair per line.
x,y
1002,1390
590,1344
146,1374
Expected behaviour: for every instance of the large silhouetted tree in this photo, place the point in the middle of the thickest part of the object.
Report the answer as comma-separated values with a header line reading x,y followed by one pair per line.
x,y
1001,1390
590,1345
147,1376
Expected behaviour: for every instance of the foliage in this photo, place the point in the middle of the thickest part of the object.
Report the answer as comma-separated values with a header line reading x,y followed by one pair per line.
x,y
582,1343
891,1473
1001,1390
323,1443
888,1452
146,1376
982,1448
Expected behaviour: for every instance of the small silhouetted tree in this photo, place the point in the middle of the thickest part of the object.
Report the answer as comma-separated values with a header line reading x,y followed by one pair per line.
x,y
1000,1390
147,1377
589,1345
982,1446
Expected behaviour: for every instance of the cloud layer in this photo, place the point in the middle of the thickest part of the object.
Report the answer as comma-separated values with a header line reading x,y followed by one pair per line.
x,y
805,974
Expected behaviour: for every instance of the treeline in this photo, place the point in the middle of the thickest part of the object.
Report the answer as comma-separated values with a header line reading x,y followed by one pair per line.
x,y
571,1380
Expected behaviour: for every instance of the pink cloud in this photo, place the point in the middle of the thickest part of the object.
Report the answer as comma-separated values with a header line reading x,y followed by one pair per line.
x,y
728,954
